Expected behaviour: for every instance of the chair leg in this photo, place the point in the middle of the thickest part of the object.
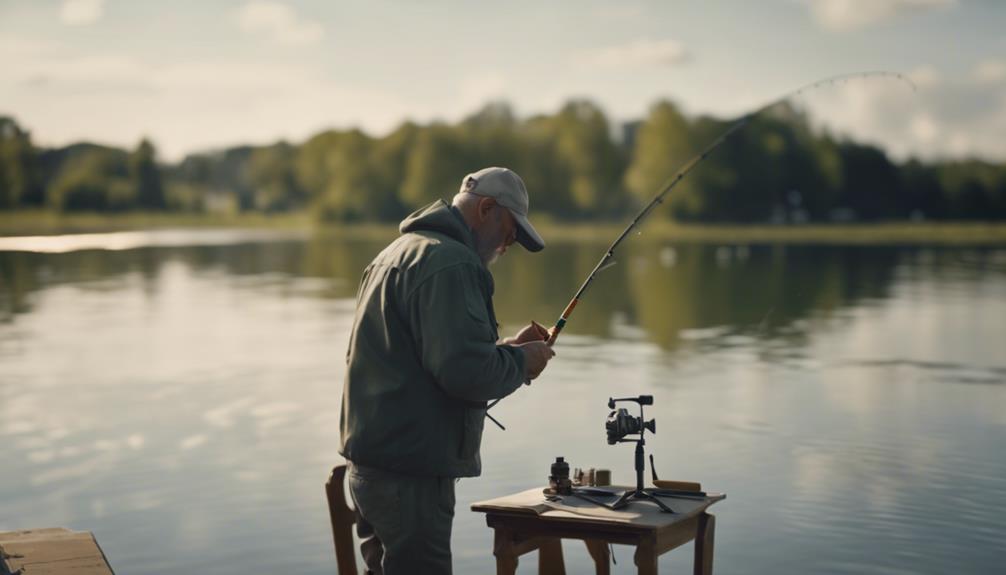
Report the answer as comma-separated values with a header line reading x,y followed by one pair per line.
x,y
343,518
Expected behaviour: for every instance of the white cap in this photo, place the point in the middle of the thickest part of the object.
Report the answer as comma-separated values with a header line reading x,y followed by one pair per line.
x,y
509,191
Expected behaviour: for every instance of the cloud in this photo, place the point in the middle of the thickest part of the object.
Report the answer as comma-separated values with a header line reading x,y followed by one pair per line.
x,y
946,117
845,15
618,12
991,71
637,54
192,442
474,91
183,106
278,23
81,12
925,77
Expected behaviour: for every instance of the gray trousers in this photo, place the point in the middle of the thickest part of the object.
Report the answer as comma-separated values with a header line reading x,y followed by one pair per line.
x,y
403,522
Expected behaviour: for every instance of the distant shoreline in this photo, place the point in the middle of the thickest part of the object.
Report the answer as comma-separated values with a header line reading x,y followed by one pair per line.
x,y
38,223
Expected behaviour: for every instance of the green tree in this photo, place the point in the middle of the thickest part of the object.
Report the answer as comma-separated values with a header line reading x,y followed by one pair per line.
x,y
925,196
435,166
770,170
871,185
546,178
20,177
490,137
390,157
346,170
589,156
974,189
662,145
92,178
146,177
273,179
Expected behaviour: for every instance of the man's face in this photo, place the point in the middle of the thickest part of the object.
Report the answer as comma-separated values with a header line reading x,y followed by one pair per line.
x,y
497,232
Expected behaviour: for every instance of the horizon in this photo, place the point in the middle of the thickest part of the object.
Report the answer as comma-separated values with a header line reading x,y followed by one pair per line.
x,y
262,71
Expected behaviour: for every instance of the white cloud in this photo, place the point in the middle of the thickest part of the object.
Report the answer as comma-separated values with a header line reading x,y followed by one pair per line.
x,y
923,128
844,15
279,23
925,77
618,12
81,12
638,53
474,91
192,442
943,118
991,71
63,96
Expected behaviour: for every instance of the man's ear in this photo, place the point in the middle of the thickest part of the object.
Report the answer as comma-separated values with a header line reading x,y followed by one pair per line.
x,y
484,207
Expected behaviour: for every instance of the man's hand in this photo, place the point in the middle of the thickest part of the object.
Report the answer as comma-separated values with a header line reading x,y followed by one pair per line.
x,y
532,332
536,356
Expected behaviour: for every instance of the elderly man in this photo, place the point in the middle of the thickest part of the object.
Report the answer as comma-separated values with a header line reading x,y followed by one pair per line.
x,y
424,358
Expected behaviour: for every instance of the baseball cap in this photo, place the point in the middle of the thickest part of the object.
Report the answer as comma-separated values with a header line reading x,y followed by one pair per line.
x,y
509,191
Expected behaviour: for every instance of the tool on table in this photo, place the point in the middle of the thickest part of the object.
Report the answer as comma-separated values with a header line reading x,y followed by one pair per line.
x,y
690,486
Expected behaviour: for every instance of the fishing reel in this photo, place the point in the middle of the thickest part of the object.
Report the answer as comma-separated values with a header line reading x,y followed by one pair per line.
x,y
620,423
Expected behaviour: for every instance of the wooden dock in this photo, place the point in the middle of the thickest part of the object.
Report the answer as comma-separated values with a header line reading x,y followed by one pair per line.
x,y
51,551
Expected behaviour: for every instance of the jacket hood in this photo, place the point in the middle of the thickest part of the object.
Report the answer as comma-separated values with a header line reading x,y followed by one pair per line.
x,y
439,217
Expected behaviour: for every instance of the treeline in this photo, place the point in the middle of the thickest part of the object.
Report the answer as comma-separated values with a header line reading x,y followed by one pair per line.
x,y
776,169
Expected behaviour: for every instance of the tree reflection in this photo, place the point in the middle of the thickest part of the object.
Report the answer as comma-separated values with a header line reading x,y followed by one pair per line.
x,y
666,290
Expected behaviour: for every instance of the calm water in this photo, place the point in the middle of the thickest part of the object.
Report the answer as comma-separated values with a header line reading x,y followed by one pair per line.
x,y
178,394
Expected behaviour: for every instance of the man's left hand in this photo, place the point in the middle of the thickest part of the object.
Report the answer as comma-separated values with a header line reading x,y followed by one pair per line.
x,y
532,332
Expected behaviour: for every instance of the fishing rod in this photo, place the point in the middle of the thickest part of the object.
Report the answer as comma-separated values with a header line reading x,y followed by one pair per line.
x,y
606,260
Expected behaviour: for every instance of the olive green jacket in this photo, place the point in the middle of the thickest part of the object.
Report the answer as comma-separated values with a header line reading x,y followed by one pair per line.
x,y
423,356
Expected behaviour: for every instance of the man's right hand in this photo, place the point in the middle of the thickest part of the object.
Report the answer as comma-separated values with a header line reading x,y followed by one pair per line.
x,y
536,356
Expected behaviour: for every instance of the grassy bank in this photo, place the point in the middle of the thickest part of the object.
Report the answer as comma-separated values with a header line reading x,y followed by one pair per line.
x,y
890,233
24,223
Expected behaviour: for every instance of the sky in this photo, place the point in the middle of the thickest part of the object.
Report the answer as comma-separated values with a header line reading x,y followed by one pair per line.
x,y
195,75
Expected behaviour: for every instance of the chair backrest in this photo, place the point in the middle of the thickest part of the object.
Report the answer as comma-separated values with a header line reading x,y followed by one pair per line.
x,y
343,518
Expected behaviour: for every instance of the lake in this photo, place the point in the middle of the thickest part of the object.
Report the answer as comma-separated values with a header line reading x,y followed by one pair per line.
x,y
178,392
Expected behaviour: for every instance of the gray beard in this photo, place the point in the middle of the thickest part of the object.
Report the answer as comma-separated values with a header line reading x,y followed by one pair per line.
x,y
487,252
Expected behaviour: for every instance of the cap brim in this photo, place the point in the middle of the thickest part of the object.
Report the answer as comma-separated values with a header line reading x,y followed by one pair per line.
x,y
527,236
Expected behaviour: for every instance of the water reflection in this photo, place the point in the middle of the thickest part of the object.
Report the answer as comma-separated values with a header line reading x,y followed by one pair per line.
x,y
674,294
172,396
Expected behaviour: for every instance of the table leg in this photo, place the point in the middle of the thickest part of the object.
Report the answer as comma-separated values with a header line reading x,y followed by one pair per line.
x,y
550,557
646,557
503,549
704,544
599,552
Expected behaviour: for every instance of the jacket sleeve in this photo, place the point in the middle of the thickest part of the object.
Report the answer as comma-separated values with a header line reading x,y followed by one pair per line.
x,y
456,340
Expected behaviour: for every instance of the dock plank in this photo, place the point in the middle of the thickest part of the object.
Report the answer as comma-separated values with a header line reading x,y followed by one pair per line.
x,y
51,551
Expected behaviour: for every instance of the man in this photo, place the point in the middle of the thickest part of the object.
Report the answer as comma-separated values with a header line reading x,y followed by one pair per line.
x,y
424,358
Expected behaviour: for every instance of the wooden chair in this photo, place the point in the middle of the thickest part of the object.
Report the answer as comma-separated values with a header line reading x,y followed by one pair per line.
x,y
343,518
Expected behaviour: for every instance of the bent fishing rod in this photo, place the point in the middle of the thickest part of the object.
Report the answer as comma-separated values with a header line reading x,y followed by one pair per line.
x,y
607,260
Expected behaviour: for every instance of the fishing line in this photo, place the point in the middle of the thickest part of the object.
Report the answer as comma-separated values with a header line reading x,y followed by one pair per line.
x,y
683,171
690,165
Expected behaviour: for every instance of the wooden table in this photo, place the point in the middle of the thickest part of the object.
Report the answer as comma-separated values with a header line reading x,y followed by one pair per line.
x,y
524,522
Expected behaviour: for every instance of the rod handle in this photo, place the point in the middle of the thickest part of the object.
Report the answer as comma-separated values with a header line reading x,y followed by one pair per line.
x,y
553,334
